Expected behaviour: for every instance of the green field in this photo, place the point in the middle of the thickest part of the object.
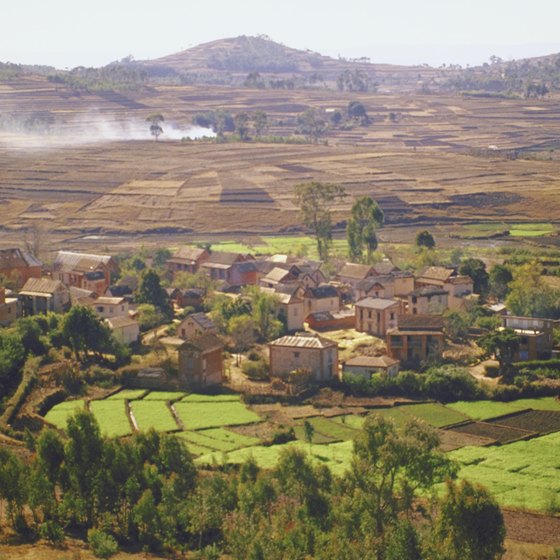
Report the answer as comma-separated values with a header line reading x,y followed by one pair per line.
x,y
336,431
523,474
153,414
482,410
534,229
530,230
164,396
194,397
434,414
128,394
351,420
218,439
111,417
199,415
59,413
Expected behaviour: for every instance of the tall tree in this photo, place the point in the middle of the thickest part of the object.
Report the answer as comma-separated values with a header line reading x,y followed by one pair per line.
x,y
476,269
260,123
150,291
503,344
155,120
241,121
366,217
314,201
313,124
470,525
425,239
500,277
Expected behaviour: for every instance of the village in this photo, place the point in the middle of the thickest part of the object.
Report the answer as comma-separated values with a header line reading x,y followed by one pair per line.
x,y
398,317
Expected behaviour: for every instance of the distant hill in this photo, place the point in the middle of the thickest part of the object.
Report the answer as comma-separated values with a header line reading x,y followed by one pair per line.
x,y
266,62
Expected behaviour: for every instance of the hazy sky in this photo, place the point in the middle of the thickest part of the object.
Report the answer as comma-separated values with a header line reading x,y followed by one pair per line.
x,y
68,33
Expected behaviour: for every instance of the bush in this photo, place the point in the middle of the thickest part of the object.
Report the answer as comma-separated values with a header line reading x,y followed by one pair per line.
x,y
102,544
283,436
255,370
448,384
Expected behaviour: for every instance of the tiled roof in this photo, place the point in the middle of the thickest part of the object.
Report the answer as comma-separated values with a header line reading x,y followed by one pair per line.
x,y
372,361
355,271
276,275
304,340
368,283
41,286
205,342
121,322
83,262
420,322
384,267
320,292
189,254
16,258
438,273
202,319
222,258
376,303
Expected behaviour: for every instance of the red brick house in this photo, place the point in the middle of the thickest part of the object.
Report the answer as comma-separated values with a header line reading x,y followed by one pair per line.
x,y
187,259
82,270
201,361
195,325
416,339
17,267
376,315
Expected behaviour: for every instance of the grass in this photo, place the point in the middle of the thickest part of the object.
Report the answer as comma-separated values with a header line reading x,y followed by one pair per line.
x,y
530,230
194,397
350,420
334,430
153,414
218,439
523,474
164,396
199,415
535,229
111,417
482,410
434,414
129,394
59,413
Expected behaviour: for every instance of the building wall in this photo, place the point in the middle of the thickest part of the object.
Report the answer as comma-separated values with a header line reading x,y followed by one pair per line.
x,y
322,362
414,346
8,311
427,305
376,322
312,305
106,311
198,369
19,275
128,334
293,314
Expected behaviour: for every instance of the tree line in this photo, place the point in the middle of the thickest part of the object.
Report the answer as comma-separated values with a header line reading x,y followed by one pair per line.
x,y
146,493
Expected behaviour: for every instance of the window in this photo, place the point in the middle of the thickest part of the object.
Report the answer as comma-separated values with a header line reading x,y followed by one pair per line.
x,y
414,299
392,316
296,354
369,314
295,311
378,317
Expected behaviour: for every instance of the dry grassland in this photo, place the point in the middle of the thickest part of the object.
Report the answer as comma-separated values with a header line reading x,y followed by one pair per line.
x,y
419,168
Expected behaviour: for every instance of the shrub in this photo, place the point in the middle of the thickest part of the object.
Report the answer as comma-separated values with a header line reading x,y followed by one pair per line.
x,y
102,544
255,370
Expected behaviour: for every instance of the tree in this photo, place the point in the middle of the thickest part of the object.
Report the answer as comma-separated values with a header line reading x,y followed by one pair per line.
x,y
260,123
530,296
308,432
367,216
263,307
470,525
476,269
86,332
242,126
500,277
388,468
314,201
425,239
150,291
241,329
503,344
313,124
155,120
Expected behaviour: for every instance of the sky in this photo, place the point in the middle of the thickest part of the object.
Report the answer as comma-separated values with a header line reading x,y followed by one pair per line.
x,y
69,33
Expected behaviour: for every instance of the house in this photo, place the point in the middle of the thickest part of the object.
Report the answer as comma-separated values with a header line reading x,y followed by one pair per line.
x,y
8,308
427,300
385,267
187,259
321,298
435,276
416,339
310,274
87,271
459,288
403,283
79,296
376,315
332,320
366,366
18,266
279,275
535,336
201,361
125,329
289,304
195,325
375,286
227,267
107,307
41,295
304,351
188,297
352,273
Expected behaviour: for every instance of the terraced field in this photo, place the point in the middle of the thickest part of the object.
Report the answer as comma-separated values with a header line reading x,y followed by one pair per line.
x,y
153,414
94,175
482,410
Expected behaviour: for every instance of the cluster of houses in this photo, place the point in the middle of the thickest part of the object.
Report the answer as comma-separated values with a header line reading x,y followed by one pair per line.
x,y
403,309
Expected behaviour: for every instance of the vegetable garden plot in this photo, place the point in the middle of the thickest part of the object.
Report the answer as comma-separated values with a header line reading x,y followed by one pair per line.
x,y
128,394
199,415
502,434
434,414
194,397
58,415
153,414
482,410
112,417
164,396
541,421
